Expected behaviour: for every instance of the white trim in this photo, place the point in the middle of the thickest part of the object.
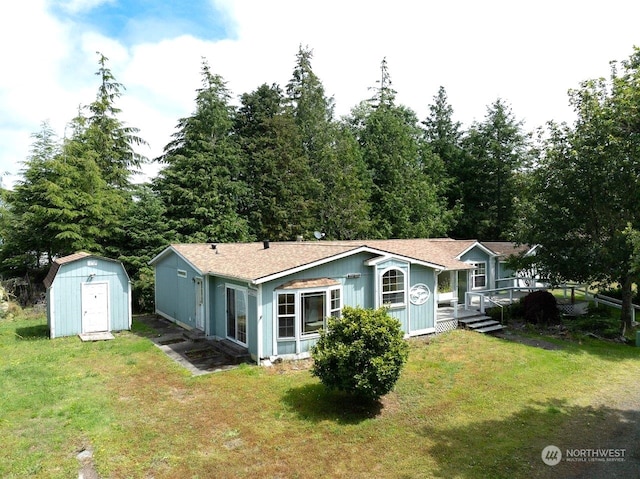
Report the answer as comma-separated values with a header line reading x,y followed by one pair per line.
x,y
244,290
52,315
200,309
260,333
362,249
481,246
472,276
405,259
313,264
420,332
166,251
405,281
129,307
297,317
207,309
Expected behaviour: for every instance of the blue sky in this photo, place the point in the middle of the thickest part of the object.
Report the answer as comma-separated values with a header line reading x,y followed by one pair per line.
x,y
529,53
132,22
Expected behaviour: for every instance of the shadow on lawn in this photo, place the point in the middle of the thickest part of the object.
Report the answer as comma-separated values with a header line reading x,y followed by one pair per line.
x,y
39,331
314,402
512,447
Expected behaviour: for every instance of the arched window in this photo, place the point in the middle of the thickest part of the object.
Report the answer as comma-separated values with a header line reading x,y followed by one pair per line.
x,y
393,288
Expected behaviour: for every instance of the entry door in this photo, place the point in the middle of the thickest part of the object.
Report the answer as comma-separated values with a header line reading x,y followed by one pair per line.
x,y
95,307
462,286
237,315
199,304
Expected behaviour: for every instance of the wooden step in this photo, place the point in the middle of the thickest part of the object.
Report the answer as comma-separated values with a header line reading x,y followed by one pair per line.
x,y
482,324
490,329
474,319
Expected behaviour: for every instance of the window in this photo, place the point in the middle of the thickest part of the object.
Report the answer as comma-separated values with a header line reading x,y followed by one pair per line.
x,y
313,307
336,304
182,273
286,315
479,276
393,287
303,312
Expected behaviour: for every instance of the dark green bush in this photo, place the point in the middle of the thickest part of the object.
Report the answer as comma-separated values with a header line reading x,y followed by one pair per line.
x,y
540,307
361,353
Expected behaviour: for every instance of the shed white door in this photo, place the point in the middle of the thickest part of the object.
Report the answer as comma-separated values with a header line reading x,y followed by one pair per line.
x,y
95,307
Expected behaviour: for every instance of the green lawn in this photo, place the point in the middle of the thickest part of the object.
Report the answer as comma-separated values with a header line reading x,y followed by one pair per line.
x,y
467,406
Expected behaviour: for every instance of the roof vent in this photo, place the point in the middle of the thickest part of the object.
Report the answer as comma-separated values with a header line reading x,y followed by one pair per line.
x,y
265,243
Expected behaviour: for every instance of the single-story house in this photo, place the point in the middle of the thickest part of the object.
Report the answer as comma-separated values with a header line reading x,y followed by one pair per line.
x,y
87,294
273,297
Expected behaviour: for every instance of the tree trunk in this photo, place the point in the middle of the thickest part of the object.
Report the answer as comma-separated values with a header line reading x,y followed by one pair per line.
x,y
627,304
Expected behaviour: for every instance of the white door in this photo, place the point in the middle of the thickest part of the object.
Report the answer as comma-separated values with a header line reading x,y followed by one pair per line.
x,y
95,307
199,304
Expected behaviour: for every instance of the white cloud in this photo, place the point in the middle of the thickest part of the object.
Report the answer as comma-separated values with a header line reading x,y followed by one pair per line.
x,y
528,53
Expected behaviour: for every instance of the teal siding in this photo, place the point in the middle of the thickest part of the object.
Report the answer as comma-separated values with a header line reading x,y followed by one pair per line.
x,y
64,297
175,295
421,317
356,291
476,255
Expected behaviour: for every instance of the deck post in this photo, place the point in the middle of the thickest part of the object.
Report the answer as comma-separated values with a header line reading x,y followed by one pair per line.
x,y
454,305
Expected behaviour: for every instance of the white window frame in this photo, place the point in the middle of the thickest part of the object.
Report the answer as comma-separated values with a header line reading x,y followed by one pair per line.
x,y
383,293
332,307
182,273
245,298
476,265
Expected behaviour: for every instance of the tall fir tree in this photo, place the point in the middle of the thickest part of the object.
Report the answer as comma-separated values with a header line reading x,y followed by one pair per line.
x,y
496,150
444,136
405,201
114,142
277,171
201,180
341,189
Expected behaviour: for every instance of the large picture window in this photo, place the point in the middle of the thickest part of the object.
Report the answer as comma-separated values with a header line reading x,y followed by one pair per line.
x,y
393,288
304,312
479,276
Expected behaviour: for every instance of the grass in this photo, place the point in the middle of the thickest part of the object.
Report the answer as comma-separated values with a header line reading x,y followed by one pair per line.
x,y
466,406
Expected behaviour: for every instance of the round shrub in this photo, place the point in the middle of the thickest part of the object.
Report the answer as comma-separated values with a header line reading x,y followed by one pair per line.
x,y
540,307
361,353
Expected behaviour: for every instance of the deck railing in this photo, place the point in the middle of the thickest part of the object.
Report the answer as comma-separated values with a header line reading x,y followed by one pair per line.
x,y
482,297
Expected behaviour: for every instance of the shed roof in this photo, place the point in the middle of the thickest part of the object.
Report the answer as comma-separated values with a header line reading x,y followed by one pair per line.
x,y
254,262
58,262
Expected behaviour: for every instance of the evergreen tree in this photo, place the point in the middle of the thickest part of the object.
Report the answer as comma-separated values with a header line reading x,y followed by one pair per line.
x,y
405,201
444,138
144,234
62,205
113,142
277,171
201,184
496,150
340,192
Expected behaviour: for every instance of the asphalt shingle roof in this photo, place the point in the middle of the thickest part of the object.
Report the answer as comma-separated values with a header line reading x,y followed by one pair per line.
x,y
252,261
